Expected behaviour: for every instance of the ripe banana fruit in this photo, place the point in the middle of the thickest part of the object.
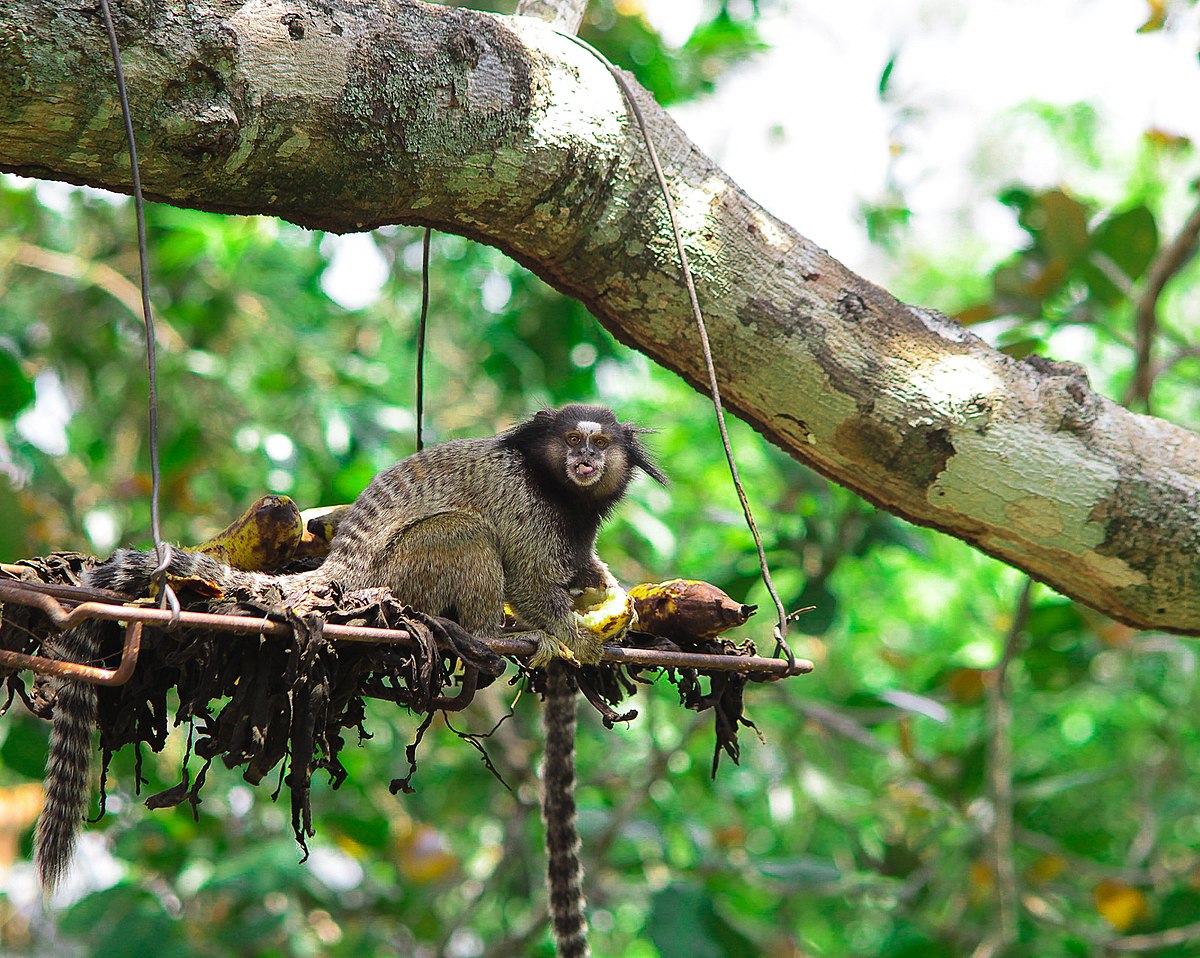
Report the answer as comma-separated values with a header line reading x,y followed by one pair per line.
x,y
320,526
607,613
261,539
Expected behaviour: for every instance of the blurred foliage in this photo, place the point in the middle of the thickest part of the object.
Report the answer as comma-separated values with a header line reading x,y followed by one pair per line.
x,y
726,36
859,825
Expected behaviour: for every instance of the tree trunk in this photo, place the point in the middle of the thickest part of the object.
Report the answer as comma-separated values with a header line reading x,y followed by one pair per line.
x,y
349,115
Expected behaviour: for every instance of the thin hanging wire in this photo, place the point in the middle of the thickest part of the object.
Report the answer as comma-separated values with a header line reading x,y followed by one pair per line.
x,y
162,550
421,326
714,390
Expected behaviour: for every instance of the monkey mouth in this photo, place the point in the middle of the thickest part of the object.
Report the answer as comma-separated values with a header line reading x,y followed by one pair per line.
x,y
584,473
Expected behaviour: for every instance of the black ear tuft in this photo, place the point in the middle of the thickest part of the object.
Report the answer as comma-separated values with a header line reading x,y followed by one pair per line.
x,y
638,456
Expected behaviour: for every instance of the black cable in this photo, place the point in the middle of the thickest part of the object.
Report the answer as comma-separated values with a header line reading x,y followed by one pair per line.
x,y
162,550
421,326
714,390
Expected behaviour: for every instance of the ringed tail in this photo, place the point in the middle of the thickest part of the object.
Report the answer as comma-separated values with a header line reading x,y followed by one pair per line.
x,y
564,871
68,762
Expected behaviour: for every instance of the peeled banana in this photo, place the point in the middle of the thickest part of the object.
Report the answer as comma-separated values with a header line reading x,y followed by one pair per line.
x,y
607,613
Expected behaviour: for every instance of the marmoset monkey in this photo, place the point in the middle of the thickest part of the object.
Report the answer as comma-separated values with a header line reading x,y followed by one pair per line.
x,y
455,530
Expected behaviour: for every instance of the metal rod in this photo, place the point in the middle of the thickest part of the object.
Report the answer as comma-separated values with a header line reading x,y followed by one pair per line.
x,y
77,670
34,594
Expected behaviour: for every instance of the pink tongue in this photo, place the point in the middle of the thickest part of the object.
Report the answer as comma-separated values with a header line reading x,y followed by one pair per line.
x,y
583,469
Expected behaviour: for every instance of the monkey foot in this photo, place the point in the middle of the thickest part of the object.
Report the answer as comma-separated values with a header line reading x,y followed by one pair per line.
x,y
587,648
549,648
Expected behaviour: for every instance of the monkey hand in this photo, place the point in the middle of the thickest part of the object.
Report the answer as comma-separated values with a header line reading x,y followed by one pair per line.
x,y
599,615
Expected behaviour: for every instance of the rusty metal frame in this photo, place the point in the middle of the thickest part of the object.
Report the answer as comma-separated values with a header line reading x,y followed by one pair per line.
x,y
46,598
62,620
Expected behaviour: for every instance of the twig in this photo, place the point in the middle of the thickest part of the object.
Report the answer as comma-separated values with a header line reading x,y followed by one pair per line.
x,y
714,389
1147,834
1169,261
1159,939
162,549
1082,866
841,724
100,275
1000,773
422,325
1180,355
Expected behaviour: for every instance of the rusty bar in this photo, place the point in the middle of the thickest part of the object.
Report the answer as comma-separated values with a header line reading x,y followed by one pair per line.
x,y
510,645
241,624
246,625
75,593
77,670
466,693
703,660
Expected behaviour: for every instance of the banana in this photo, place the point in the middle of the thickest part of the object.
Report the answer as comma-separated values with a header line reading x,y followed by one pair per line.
x,y
686,609
261,539
320,526
607,613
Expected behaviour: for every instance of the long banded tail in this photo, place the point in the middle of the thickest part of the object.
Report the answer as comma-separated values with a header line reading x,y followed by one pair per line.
x,y
564,871
69,760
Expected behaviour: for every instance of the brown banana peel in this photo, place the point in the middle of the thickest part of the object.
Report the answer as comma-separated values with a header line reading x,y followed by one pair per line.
x,y
262,539
687,609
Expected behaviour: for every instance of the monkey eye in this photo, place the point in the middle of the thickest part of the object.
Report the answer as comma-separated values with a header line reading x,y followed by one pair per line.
x,y
601,441
574,439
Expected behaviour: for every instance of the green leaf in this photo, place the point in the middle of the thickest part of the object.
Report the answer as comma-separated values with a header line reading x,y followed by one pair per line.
x,y
24,749
886,76
684,924
16,389
1127,240
1060,223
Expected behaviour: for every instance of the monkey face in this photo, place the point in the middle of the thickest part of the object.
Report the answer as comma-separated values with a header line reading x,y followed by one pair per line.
x,y
582,451
588,448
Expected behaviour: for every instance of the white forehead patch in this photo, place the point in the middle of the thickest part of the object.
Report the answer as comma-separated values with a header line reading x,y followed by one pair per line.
x,y
588,428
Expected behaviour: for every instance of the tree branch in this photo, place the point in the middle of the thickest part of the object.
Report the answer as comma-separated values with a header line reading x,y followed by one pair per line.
x,y
1170,260
351,115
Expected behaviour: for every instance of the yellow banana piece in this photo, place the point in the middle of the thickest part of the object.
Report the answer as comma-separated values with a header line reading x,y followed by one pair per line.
x,y
320,526
607,613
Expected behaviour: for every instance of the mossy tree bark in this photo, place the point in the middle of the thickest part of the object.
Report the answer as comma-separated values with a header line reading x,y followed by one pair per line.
x,y
349,115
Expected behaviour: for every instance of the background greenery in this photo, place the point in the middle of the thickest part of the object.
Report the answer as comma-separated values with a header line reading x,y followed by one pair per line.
x,y
863,823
